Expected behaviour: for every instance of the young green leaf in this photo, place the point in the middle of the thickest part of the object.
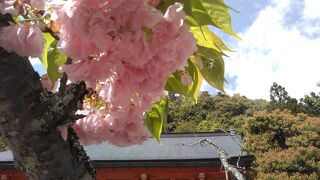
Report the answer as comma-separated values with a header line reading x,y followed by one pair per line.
x,y
197,78
220,15
55,55
205,12
175,85
213,67
52,59
48,40
206,38
156,118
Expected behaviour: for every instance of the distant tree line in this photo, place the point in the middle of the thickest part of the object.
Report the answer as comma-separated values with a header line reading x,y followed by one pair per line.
x,y
280,99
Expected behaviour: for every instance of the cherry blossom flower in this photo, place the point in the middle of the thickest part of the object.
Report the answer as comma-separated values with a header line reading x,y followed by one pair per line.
x,y
39,4
24,39
8,6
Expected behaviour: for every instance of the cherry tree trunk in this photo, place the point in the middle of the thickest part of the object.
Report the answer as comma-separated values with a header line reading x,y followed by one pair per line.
x,y
29,117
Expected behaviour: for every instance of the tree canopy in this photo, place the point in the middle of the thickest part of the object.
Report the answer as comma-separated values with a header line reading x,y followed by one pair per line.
x,y
284,145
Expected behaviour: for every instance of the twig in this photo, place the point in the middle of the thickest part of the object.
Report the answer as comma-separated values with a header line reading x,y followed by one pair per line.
x,y
236,141
64,79
223,157
239,159
233,137
63,82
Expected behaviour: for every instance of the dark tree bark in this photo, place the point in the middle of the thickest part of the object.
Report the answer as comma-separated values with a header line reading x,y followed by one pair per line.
x,y
29,116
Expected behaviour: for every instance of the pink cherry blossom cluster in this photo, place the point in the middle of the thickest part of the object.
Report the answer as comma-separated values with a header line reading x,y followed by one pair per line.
x,y
125,50
23,38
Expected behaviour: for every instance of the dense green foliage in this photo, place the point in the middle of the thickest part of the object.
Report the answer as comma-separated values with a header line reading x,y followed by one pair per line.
x,y
231,111
284,144
211,112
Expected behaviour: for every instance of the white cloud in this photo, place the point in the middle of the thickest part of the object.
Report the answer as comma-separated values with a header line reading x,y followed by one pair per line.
x,y
311,9
274,51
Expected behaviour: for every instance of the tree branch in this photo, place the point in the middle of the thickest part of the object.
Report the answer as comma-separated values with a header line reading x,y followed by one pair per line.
x,y
233,137
60,108
223,157
64,79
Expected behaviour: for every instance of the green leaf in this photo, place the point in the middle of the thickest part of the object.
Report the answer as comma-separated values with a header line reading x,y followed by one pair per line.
x,y
52,59
197,79
156,118
220,15
48,40
205,12
213,67
206,38
199,13
175,85
55,56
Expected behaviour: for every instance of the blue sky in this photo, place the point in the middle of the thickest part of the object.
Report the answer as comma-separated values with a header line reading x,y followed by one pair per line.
x,y
281,40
